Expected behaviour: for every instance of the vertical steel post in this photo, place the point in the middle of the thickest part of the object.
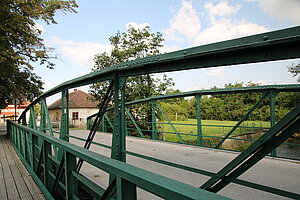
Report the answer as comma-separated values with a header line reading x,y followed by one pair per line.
x,y
71,181
35,153
47,164
125,189
32,119
64,125
118,140
154,129
102,124
273,95
43,118
199,124
123,119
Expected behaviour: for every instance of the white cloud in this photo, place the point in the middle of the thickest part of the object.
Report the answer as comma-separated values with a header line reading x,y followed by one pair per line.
x,y
185,23
136,25
216,72
48,85
221,9
225,29
39,27
222,24
81,53
167,48
261,82
288,9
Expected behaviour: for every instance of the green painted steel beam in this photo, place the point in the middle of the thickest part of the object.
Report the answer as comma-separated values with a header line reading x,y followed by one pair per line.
x,y
242,119
199,125
32,119
101,112
153,121
254,89
170,123
118,139
272,97
280,132
109,122
212,174
151,182
135,124
270,46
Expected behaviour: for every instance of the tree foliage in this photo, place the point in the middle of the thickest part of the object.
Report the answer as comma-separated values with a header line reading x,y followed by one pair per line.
x,y
175,108
21,45
234,106
126,46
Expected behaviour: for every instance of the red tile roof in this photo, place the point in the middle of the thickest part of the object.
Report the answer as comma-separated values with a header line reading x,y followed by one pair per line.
x,y
7,113
77,99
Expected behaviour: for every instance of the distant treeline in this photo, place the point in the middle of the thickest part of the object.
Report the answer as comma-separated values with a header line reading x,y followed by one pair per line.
x,y
229,106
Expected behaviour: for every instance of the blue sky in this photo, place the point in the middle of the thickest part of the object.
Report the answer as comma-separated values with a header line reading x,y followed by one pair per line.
x,y
183,23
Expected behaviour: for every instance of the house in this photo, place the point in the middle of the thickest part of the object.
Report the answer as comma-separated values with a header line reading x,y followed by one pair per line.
x,y
10,111
80,107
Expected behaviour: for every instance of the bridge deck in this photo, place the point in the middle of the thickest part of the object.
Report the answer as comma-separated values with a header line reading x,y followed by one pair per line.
x,y
15,181
278,173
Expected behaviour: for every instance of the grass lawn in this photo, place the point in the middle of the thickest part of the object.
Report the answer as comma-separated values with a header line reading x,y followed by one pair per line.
x,y
209,128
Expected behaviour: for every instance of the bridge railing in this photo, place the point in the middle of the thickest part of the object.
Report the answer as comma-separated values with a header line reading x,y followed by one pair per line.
x,y
271,46
59,178
228,137
275,136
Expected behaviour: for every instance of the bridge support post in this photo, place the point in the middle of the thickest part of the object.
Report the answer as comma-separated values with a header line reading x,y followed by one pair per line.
x,y
154,130
43,118
47,164
64,125
199,124
125,189
71,181
118,140
273,95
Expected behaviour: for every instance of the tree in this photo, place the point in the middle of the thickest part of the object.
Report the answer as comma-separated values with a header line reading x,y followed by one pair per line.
x,y
130,45
21,45
175,108
295,70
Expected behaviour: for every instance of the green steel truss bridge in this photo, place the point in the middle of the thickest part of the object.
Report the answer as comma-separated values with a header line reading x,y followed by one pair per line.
x,y
55,163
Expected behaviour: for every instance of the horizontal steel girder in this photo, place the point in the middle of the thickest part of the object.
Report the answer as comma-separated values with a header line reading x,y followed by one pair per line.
x,y
270,46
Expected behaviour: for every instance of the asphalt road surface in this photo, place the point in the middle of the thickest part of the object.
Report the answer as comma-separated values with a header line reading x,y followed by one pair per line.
x,y
278,173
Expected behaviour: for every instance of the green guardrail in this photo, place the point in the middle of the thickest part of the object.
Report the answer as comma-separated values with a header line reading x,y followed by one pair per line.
x,y
200,137
59,177
52,162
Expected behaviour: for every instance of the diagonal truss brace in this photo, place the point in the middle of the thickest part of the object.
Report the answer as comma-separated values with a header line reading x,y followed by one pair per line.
x,y
170,123
108,120
243,119
99,116
280,132
135,124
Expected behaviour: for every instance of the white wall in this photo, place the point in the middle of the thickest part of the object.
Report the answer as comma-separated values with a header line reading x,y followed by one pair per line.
x,y
83,113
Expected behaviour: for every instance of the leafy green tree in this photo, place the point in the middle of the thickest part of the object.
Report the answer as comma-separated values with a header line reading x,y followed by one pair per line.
x,y
130,45
21,45
175,108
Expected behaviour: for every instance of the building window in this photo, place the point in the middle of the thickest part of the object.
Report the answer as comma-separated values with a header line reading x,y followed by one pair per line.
x,y
74,115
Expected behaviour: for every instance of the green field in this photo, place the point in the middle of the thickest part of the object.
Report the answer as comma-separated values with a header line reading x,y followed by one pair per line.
x,y
209,128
